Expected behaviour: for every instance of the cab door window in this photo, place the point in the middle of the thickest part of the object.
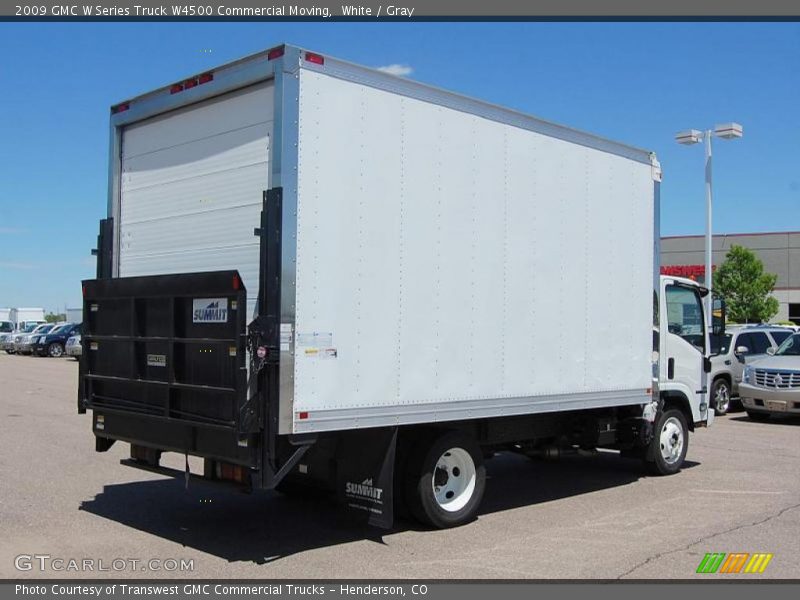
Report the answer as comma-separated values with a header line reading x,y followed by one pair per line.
x,y
685,315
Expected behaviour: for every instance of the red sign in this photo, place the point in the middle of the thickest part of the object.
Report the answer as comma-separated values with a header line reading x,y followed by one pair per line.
x,y
688,271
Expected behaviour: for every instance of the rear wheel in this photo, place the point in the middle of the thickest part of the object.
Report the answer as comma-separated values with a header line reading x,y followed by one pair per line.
x,y
758,416
9,352
721,393
55,350
670,443
445,480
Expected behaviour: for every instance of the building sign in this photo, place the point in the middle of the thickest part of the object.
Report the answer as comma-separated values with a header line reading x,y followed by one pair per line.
x,y
693,272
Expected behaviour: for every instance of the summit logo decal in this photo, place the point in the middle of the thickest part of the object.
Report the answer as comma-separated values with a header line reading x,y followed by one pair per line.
x,y
364,491
210,310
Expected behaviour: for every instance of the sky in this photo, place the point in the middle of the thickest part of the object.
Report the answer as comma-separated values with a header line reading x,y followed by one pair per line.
x,y
638,83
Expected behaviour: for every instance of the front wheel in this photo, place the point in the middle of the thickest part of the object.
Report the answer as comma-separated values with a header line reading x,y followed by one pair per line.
x,y
445,480
9,352
55,350
721,393
670,443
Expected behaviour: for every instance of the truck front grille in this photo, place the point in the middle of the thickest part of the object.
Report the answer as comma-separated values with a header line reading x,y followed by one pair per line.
x,y
771,378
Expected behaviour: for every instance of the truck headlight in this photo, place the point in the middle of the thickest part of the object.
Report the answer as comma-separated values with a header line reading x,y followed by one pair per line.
x,y
747,377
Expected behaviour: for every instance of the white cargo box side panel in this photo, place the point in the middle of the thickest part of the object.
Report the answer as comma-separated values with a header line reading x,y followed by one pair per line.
x,y
191,187
450,266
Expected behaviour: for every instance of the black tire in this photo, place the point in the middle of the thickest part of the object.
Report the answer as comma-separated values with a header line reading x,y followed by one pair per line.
x,y
758,416
421,473
9,352
55,350
721,395
668,425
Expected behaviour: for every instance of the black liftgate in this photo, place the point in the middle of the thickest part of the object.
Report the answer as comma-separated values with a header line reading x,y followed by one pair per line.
x,y
164,363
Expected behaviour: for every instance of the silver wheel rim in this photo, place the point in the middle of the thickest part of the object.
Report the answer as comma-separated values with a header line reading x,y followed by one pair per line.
x,y
453,480
55,351
671,440
722,398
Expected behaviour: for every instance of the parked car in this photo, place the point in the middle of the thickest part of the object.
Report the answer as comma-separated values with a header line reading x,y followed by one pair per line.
x,y
54,342
771,385
7,339
23,342
6,327
73,347
740,344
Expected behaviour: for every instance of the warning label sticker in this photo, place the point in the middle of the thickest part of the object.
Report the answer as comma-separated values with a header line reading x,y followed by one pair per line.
x,y
286,337
321,353
314,339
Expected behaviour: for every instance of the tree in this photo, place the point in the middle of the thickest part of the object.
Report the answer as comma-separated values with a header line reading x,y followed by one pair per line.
x,y
55,317
741,280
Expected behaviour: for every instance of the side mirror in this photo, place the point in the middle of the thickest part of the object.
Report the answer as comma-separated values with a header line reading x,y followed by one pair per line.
x,y
770,351
742,349
718,316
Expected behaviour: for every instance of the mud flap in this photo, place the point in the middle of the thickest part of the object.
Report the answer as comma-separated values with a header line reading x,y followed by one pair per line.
x,y
365,475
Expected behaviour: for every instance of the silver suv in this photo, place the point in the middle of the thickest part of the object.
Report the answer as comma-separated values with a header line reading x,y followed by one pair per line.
x,y
739,344
771,385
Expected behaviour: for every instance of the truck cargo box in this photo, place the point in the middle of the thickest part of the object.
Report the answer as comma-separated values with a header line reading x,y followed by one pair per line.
x,y
441,258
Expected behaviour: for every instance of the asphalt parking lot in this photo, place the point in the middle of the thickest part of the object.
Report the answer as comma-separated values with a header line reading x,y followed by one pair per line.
x,y
596,517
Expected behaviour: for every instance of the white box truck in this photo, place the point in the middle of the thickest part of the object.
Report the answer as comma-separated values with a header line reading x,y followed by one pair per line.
x,y
6,324
317,274
22,317
74,315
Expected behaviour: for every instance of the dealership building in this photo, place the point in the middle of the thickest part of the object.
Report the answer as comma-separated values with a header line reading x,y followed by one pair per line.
x,y
779,251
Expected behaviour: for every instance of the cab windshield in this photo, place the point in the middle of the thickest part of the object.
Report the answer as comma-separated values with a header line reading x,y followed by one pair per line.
x,y
790,346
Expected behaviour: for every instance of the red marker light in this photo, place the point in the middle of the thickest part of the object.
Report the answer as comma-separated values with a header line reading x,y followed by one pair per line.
x,y
302,415
189,83
120,108
205,78
176,88
275,53
317,59
237,283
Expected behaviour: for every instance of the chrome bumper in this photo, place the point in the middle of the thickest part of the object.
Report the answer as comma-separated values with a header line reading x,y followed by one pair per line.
x,y
763,399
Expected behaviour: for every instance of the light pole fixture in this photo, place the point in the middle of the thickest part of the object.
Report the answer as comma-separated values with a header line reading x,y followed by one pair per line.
x,y
726,131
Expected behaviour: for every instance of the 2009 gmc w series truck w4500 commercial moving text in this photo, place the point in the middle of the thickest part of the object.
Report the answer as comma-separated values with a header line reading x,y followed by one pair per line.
x,y
317,274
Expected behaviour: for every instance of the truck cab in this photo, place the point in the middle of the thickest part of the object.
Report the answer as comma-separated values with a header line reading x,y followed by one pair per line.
x,y
684,349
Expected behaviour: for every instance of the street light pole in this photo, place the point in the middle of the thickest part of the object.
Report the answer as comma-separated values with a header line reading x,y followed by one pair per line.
x,y
709,238
728,131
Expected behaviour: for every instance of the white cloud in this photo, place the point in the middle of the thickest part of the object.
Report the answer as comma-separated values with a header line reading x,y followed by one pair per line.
x,y
17,265
397,69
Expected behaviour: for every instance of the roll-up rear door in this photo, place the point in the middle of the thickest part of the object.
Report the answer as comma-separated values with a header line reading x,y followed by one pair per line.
x,y
191,185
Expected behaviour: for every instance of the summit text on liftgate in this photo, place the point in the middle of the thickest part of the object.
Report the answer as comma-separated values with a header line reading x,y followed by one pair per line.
x,y
195,10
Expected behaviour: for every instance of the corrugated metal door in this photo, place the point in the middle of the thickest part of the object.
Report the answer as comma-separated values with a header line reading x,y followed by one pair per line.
x,y
191,184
